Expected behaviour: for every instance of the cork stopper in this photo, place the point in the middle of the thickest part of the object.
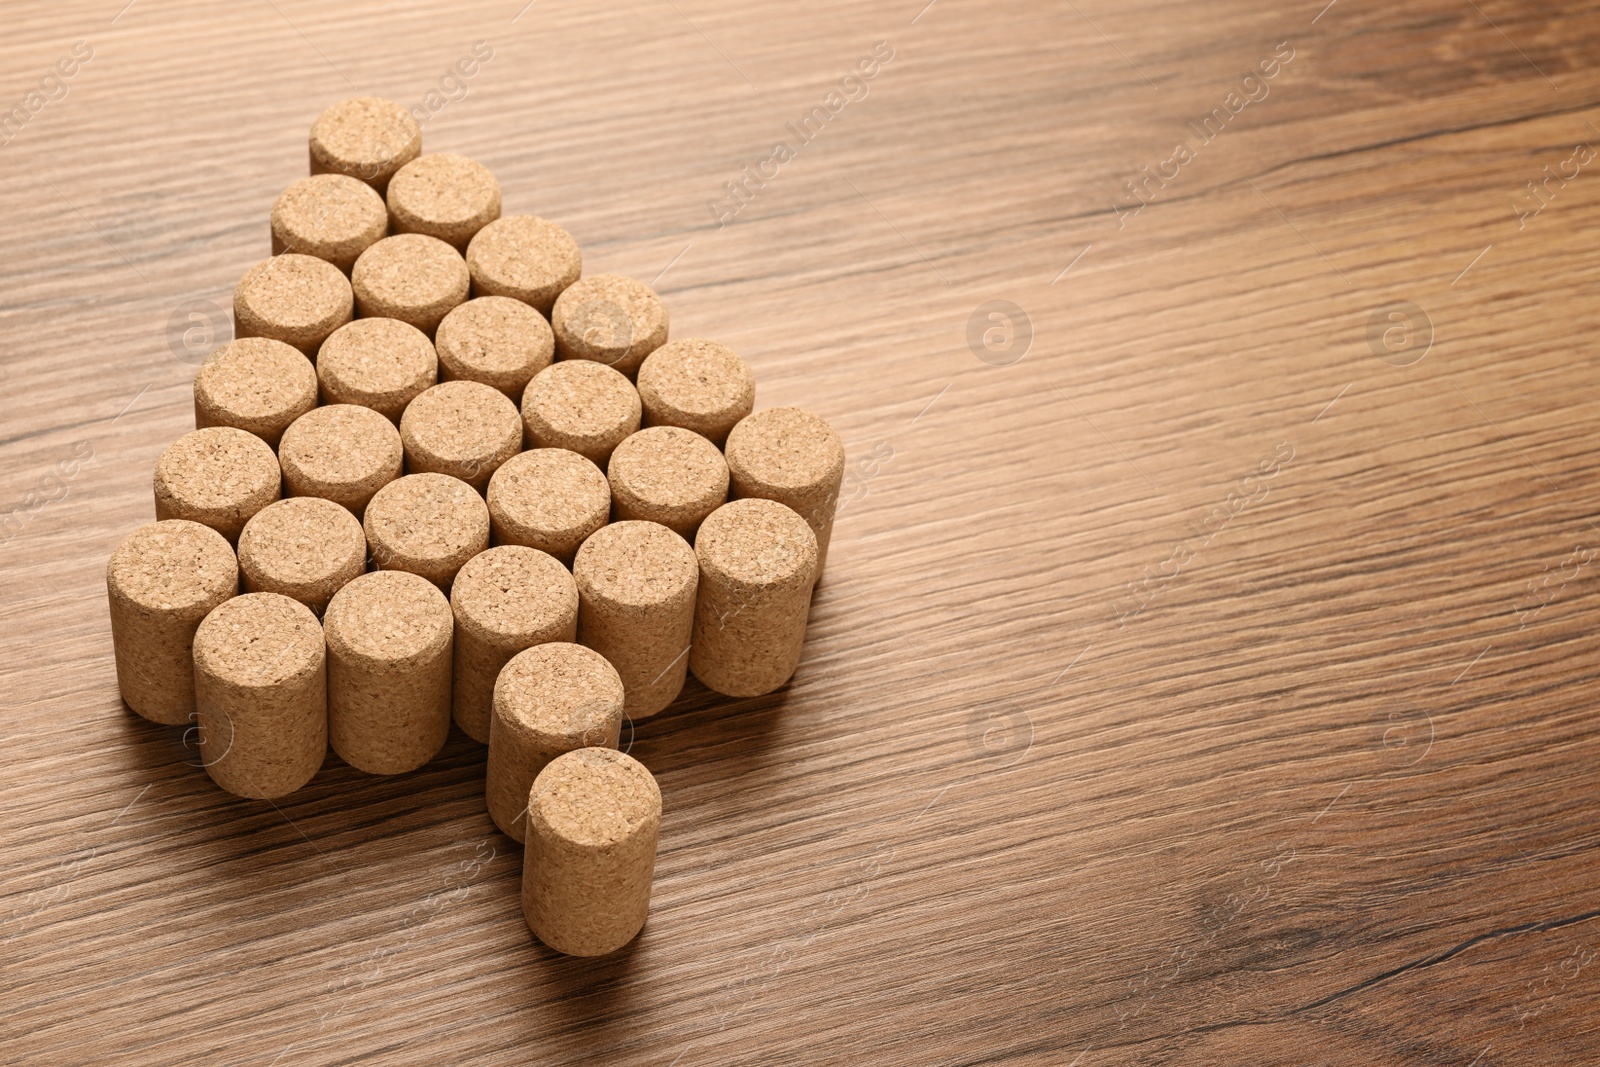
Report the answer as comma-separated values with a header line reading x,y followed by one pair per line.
x,y
343,453
549,499
428,524
257,385
525,258
582,406
667,475
411,277
594,820
636,594
550,699
292,298
443,195
305,548
494,340
368,138
382,364
261,686
794,457
505,600
698,385
389,655
218,476
330,216
160,582
610,319
463,429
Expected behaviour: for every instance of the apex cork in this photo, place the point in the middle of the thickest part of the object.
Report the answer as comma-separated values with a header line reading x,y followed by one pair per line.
x,y
494,340
218,477
549,499
443,195
292,298
411,277
343,452
257,385
791,456
428,524
368,138
383,364
525,258
463,429
668,475
330,216
579,405
610,319
305,548
699,385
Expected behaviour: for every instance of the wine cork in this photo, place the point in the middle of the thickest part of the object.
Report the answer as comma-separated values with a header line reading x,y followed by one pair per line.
x,y
494,340
505,600
549,499
218,477
791,456
330,216
160,582
463,429
368,138
636,594
411,277
585,407
443,195
343,453
428,524
296,299
525,258
261,685
382,364
305,548
389,649
594,820
667,475
758,563
257,385
550,699
610,319
698,385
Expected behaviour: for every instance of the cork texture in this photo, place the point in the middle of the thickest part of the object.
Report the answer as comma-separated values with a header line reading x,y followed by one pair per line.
x,y
582,406
636,596
594,820
368,138
218,477
161,580
758,562
550,699
305,547
261,686
549,499
292,298
411,277
382,364
668,475
343,452
525,258
794,457
389,657
610,319
699,385
443,195
463,429
330,216
505,600
257,385
494,340
427,524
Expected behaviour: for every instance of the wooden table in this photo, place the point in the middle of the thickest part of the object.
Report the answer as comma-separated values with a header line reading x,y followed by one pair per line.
x,y
1205,668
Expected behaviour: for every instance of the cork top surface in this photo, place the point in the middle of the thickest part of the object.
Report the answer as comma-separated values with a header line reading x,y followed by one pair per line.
x,y
550,489
258,640
756,543
301,541
445,195
667,467
328,211
594,797
367,137
340,444
579,398
374,359
389,617
511,592
216,467
639,564
461,422
524,257
256,377
609,318
173,566
698,380
427,516
411,271
292,294
785,448
496,340
561,691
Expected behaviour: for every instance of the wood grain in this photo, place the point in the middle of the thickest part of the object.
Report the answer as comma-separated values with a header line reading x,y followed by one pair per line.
x,y
1077,768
